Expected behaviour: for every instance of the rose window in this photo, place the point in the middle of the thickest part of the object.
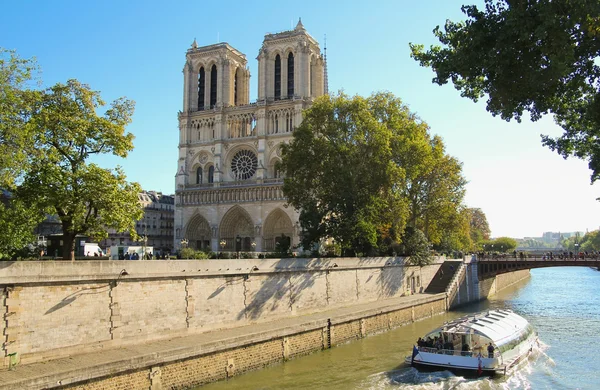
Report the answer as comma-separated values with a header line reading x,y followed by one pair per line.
x,y
243,165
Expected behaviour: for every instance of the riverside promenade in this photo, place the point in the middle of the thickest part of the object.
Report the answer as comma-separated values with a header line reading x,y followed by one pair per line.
x,y
116,367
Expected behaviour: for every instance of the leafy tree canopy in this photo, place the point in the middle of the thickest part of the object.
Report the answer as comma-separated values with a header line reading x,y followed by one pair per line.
x,y
416,247
48,137
361,169
340,174
67,131
535,56
16,103
479,227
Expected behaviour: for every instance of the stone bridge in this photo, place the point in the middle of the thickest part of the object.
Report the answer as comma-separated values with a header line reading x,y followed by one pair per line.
x,y
489,267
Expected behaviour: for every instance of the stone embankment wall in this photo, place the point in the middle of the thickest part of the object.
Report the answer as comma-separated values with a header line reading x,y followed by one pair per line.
x,y
55,309
466,287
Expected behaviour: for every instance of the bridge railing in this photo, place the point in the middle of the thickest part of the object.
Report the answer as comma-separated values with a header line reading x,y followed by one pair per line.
x,y
528,257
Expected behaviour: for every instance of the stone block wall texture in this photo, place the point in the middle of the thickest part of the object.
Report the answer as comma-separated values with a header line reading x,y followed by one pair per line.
x,y
42,318
215,302
220,365
491,286
369,288
148,309
308,291
138,380
341,287
55,309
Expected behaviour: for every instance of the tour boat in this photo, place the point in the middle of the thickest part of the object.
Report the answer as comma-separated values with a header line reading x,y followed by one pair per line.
x,y
482,344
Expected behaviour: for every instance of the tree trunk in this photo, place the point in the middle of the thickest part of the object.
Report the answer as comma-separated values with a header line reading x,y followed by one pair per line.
x,y
68,248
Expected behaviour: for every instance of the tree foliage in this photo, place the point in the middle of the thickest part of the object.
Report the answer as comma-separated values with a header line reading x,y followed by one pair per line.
x,y
416,247
535,56
48,137
479,227
361,169
340,174
500,244
67,131
16,103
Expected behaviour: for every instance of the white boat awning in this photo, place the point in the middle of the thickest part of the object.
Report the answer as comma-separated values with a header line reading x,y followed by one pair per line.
x,y
501,326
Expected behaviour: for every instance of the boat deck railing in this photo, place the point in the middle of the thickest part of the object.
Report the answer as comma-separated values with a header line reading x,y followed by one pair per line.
x,y
455,352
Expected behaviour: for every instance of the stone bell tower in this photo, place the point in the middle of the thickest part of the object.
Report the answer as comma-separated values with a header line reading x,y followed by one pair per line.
x,y
290,66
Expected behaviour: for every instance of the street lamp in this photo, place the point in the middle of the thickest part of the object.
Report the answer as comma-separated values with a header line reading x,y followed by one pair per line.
x,y
144,240
238,245
253,245
222,243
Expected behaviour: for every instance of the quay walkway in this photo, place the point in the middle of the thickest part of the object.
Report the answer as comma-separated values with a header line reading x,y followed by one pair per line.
x,y
61,373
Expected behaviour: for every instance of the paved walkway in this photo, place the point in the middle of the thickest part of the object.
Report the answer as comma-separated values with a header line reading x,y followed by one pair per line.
x,y
82,367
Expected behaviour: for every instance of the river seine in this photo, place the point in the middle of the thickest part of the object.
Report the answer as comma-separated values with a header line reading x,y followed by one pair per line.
x,y
562,303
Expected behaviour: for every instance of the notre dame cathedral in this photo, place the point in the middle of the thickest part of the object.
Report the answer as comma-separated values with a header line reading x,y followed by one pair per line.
x,y
228,190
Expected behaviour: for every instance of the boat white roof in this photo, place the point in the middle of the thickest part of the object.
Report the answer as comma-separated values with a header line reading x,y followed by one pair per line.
x,y
501,325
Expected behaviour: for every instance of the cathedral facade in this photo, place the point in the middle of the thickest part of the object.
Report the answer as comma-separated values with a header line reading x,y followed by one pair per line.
x,y
228,189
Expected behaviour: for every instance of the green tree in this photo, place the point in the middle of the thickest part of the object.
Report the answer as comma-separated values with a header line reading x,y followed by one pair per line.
x,y
16,103
591,241
416,247
17,220
341,176
458,239
535,56
479,227
66,131
432,184
361,169
504,244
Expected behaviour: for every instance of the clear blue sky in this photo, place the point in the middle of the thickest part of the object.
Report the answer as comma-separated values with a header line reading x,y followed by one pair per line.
x,y
137,49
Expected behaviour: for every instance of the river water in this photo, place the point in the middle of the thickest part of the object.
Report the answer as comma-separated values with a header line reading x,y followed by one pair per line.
x,y
562,303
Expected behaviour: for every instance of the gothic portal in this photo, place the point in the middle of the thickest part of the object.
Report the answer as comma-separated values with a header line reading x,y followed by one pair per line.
x,y
228,189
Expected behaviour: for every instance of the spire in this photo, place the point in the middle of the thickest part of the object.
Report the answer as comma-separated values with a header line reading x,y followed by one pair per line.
x,y
194,44
300,26
325,80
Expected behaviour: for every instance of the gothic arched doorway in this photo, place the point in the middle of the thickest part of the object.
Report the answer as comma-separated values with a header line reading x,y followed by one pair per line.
x,y
198,233
236,223
278,229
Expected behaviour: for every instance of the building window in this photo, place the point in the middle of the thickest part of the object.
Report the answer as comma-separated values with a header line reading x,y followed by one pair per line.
x,y
244,165
290,75
201,86
211,174
213,86
277,77
235,88
199,175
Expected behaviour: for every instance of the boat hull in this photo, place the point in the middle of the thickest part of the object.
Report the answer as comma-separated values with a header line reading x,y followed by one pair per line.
x,y
467,372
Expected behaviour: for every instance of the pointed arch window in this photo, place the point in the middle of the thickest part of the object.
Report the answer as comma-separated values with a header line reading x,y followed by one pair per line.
x,y
213,86
277,77
235,88
201,86
199,175
211,174
290,75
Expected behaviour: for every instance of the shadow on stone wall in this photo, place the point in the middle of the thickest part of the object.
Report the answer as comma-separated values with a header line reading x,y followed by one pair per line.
x,y
278,285
292,279
72,297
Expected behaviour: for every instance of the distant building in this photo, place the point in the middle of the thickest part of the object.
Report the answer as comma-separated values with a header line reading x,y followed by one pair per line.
x,y
156,225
